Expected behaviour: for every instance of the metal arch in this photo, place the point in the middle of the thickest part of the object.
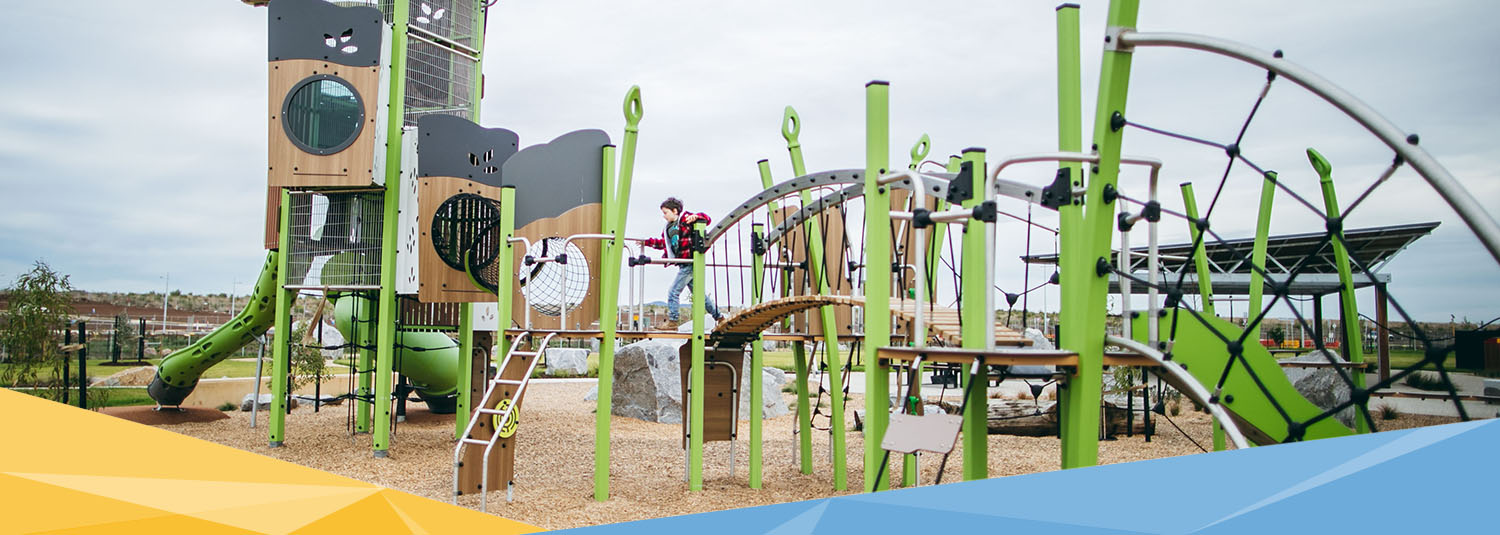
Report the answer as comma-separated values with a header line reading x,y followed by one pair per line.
x,y
1473,214
939,189
839,176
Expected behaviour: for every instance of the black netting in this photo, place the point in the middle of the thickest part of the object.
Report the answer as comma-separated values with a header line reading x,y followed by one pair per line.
x,y
1278,288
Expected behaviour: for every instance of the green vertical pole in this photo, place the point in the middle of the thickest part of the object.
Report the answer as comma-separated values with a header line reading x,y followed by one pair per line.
x,y
695,442
1205,283
609,297
466,310
280,359
799,353
618,205
757,360
791,126
1352,340
366,340
385,344
1200,258
877,278
1258,250
465,366
1085,304
972,313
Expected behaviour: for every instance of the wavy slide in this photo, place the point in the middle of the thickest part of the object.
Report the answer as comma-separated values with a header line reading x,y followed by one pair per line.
x,y
428,359
1204,356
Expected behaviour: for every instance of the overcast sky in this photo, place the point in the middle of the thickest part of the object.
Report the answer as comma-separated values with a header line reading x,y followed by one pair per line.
x,y
133,137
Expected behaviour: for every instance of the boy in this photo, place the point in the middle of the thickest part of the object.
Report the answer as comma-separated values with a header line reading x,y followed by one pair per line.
x,y
677,243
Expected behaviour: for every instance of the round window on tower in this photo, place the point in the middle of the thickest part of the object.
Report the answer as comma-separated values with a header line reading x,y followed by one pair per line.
x,y
322,115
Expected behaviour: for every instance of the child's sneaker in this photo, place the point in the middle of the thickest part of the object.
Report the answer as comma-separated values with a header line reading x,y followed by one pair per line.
x,y
667,325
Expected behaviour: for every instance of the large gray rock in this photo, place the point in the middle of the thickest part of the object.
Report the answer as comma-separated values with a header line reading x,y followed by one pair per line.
x,y
772,379
567,361
1038,340
1322,386
648,381
648,385
265,402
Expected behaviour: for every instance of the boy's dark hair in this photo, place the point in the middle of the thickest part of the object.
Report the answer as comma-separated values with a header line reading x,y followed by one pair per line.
x,y
672,204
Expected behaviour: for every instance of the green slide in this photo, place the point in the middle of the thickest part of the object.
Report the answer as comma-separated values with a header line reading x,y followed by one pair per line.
x,y
178,373
1204,356
428,359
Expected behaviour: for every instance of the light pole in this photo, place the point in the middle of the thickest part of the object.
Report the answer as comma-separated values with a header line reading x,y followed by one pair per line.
x,y
233,286
166,287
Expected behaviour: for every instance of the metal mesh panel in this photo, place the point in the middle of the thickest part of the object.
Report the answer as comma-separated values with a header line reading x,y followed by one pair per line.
x,y
438,80
335,240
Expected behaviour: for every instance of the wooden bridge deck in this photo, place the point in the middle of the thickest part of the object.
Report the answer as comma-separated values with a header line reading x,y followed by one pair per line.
x,y
942,322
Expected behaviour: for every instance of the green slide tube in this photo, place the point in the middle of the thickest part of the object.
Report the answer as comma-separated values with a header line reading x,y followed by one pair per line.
x,y
178,374
428,359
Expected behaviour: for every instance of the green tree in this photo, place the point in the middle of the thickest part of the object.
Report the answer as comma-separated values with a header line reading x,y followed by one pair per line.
x,y
124,336
32,327
1277,333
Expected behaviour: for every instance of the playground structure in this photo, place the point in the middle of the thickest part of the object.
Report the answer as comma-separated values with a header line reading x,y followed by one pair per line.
x,y
407,215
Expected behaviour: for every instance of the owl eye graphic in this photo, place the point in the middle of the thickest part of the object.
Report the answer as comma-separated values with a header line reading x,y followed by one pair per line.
x,y
342,39
430,15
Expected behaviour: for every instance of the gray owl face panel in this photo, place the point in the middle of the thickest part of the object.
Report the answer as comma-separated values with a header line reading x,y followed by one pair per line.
x,y
318,30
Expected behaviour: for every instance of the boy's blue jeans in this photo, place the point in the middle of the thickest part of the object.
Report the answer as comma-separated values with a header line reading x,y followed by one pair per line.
x,y
685,280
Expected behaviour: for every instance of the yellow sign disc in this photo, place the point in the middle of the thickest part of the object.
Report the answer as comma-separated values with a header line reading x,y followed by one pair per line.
x,y
510,425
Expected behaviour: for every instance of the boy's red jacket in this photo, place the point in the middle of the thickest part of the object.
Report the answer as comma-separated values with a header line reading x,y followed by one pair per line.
x,y
676,234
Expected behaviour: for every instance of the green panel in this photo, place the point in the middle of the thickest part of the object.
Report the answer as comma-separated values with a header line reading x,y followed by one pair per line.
x,y
878,276
1205,356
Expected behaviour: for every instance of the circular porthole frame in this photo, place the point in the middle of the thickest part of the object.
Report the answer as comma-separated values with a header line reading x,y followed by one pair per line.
x,y
286,102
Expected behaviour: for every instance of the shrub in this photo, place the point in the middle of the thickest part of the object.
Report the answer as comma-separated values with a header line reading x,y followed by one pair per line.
x,y
228,407
1387,412
1425,381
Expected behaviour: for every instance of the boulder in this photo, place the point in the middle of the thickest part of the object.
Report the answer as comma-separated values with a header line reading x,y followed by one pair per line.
x,y
137,376
772,379
567,361
1322,386
1038,340
648,384
265,402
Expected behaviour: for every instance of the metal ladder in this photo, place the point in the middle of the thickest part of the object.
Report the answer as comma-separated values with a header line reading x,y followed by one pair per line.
x,y
504,416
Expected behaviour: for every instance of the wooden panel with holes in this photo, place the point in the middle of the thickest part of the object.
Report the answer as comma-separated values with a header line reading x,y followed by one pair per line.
x,y
722,370
293,167
441,283
585,219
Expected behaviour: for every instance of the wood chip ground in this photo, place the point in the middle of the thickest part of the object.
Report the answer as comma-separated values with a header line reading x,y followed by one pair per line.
x,y
555,459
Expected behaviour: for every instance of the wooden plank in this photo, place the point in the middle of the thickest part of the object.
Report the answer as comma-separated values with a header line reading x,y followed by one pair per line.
x,y
293,167
503,456
1008,357
721,391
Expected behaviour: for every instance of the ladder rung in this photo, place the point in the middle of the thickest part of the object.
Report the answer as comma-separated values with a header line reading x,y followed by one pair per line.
x,y
506,381
475,441
526,353
490,411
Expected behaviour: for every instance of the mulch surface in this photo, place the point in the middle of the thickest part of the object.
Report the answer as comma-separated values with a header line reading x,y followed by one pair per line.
x,y
167,416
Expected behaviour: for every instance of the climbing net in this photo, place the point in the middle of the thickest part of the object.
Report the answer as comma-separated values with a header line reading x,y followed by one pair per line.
x,y
1278,286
